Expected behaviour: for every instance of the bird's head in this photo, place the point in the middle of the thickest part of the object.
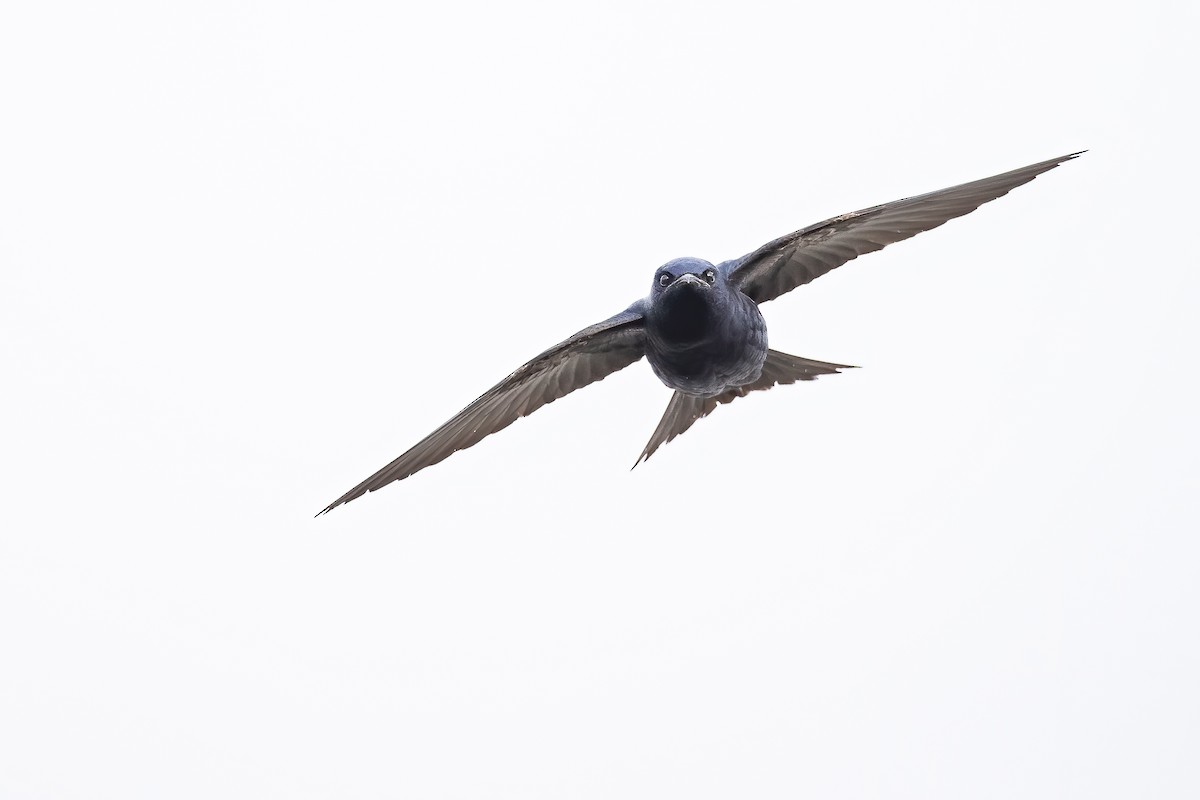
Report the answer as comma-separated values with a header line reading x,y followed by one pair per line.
x,y
688,294
683,277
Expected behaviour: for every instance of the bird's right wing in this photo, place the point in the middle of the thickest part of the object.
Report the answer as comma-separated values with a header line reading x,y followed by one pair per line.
x,y
586,357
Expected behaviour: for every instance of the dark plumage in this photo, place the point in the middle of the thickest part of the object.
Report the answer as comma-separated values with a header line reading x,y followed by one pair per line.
x,y
700,327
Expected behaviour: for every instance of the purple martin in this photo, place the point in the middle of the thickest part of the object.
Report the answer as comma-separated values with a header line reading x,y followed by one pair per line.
x,y
700,327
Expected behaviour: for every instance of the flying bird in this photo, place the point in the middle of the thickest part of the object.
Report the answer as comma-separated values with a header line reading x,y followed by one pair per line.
x,y
700,327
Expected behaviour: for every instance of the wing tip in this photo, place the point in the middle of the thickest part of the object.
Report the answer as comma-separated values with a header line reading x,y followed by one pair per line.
x,y
1054,162
327,509
353,494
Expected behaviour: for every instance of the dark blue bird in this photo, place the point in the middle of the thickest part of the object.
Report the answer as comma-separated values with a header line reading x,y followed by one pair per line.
x,y
700,327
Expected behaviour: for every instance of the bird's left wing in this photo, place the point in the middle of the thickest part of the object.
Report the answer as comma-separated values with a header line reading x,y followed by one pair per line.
x,y
793,260
586,357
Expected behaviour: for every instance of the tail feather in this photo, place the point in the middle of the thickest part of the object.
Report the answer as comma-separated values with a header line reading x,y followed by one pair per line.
x,y
683,410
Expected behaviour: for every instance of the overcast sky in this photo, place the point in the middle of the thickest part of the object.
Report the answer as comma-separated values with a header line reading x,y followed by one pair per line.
x,y
250,252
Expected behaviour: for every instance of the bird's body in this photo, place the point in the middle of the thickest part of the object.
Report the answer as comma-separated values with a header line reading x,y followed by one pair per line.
x,y
700,327
702,337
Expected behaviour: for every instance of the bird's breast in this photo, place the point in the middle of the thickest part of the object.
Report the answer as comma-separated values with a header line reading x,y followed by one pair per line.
x,y
705,350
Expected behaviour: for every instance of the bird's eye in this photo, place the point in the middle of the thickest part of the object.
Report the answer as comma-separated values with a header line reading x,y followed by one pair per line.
x,y
710,276
664,279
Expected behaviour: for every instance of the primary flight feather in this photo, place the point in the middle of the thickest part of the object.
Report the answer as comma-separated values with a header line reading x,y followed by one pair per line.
x,y
700,327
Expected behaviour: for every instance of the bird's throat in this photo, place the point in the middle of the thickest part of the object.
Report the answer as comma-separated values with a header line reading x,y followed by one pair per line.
x,y
684,316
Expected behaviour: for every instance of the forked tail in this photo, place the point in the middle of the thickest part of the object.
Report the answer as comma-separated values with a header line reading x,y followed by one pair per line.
x,y
685,409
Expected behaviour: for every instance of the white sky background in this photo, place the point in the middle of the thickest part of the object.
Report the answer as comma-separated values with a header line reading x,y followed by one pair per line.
x,y
251,252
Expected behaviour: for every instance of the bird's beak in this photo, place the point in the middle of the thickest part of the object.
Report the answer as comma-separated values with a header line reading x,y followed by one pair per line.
x,y
689,279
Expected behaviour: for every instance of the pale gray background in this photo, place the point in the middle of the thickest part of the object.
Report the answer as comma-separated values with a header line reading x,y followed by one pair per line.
x,y
253,251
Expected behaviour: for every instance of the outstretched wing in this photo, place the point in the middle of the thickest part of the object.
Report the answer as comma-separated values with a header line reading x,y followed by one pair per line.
x,y
684,409
793,260
586,357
